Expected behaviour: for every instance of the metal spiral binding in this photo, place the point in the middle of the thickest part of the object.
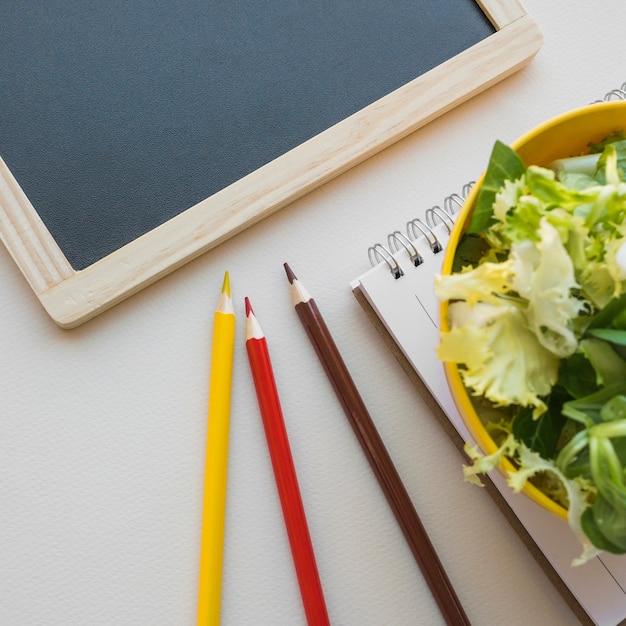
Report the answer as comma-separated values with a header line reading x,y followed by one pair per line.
x,y
415,229
378,254
451,205
418,225
454,202
400,238
614,94
437,212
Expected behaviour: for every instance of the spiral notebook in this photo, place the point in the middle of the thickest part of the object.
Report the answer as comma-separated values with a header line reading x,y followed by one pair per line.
x,y
398,294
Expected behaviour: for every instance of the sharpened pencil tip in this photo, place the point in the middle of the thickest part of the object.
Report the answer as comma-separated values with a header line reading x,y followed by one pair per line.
x,y
225,303
298,293
290,275
253,328
226,285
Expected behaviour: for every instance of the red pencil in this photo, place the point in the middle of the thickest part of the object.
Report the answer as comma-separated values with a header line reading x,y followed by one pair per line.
x,y
284,472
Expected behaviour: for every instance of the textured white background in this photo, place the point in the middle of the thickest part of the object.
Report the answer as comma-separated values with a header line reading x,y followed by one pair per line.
x,y
102,428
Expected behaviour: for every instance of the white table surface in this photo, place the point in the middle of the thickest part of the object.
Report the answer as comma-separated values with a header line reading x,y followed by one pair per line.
x,y
103,427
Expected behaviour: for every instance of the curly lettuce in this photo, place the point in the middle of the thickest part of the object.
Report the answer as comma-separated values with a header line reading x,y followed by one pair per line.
x,y
488,344
544,278
510,349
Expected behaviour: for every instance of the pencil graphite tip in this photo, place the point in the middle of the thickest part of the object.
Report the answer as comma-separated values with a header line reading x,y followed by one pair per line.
x,y
298,293
225,303
290,275
226,284
253,328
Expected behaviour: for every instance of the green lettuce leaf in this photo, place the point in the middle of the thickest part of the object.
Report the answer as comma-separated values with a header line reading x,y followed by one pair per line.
x,y
504,164
542,434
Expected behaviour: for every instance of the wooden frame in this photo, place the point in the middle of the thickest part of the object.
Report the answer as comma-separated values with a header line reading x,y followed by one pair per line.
x,y
72,297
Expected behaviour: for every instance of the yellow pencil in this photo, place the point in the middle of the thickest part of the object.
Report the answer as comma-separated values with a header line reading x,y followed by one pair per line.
x,y
214,506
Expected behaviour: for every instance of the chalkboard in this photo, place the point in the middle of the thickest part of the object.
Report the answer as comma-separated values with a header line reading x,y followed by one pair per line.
x,y
137,134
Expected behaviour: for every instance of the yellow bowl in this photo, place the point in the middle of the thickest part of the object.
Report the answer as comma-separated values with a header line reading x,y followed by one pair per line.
x,y
562,136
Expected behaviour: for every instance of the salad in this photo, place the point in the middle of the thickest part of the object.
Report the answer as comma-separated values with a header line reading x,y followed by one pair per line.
x,y
537,326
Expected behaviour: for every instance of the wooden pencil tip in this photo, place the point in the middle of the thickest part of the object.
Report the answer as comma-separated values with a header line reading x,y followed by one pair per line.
x,y
226,285
248,307
225,303
298,293
290,275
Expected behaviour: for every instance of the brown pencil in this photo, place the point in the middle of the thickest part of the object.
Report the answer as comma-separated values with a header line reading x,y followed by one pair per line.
x,y
377,454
